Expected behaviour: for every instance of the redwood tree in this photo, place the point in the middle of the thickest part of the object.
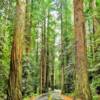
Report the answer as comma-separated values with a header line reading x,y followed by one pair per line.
x,y
82,84
43,59
15,77
62,51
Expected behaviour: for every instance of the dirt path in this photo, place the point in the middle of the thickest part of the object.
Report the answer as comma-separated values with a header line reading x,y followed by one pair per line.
x,y
65,98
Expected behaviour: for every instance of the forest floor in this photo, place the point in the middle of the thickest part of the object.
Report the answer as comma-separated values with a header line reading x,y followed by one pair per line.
x,y
65,98
62,96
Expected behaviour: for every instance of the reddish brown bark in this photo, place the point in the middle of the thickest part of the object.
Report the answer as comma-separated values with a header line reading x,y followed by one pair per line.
x,y
82,84
15,77
43,60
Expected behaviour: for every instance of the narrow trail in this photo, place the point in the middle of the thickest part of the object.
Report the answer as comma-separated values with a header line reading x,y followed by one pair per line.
x,y
54,95
62,96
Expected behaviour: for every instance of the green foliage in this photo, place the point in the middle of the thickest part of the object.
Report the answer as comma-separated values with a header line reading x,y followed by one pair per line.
x,y
50,11
93,41
5,46
96,98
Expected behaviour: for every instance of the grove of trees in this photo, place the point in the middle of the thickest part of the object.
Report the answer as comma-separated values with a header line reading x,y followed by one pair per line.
x,y
47,45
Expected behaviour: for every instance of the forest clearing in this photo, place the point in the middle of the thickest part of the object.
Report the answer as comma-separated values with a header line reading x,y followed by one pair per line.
x,y
49,49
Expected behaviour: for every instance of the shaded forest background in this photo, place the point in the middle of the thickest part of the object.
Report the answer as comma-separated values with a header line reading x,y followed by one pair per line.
x,y
49,45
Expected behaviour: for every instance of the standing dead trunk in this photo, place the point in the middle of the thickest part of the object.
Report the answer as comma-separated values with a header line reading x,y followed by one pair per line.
x,y
15,77
82,83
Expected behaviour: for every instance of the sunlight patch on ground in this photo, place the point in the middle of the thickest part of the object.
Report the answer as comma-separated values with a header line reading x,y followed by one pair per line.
x,y
32,98
67,97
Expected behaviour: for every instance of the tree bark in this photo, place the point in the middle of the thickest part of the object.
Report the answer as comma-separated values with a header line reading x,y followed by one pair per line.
x,y
28,27
52,63
47,54
62,51
95,22
15,77
82,83
43,59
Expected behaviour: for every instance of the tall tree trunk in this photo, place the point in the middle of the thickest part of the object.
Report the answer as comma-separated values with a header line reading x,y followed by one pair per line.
x,y
43,59
62,51
92,5
82,83
28,27
52,65
47,54
15,77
